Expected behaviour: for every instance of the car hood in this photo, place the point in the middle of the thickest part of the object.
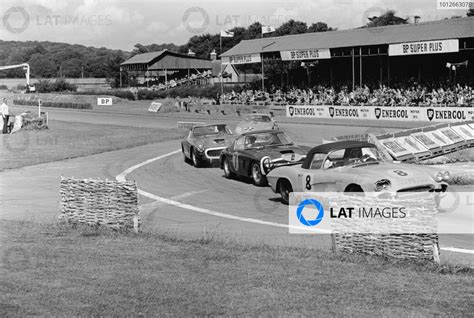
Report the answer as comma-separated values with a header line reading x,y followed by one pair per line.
x,y
212,141
275,152
400,175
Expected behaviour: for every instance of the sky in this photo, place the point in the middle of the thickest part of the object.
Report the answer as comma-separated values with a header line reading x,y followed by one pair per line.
x,y
120,24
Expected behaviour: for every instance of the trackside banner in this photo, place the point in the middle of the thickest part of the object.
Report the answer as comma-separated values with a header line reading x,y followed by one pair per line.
x,y
429,114
424,47
307,54
242,59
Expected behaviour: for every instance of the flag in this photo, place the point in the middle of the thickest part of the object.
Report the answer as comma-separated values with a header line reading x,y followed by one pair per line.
x,y
227,34
267,29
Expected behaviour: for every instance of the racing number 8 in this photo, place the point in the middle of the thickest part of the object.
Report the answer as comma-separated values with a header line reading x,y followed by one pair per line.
x,y
401,173
308,182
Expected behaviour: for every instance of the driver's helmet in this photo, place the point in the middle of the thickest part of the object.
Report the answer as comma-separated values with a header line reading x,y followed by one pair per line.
x,y
250,140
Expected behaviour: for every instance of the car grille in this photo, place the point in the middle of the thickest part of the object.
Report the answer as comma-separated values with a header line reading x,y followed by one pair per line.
x,y
417,189
214,153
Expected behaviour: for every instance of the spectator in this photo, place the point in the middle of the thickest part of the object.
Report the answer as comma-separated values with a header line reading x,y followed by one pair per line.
x,y
5,115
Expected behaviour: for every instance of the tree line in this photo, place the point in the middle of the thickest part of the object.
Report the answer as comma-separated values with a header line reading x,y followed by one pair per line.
x,y
55,60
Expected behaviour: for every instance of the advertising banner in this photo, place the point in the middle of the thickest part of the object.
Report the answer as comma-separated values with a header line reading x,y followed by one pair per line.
x,y
424,47
428,114
306,54
242,59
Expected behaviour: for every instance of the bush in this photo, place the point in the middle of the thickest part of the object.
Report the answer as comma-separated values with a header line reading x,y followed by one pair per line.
x,y
53,104
183,92
3,87
59,85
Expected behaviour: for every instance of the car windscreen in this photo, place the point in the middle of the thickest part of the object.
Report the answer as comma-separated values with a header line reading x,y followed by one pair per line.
x,y
267,139
258,118
357,156
210,130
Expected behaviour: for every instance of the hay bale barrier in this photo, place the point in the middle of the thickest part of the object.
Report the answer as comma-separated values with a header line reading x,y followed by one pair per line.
x,y
107,203
420,242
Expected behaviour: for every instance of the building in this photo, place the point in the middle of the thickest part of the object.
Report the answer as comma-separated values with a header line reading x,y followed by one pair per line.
x,y
422,51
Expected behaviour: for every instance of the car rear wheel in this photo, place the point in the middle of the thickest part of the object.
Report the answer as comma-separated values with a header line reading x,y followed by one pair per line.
x,y
258,178
195,159
227,172
285,189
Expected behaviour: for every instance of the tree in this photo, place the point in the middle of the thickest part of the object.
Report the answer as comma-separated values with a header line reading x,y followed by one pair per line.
x,y
319,27
388,18
139,49
291,27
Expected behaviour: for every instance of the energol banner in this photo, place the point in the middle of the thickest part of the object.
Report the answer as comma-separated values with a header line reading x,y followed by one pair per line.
x,y
429,114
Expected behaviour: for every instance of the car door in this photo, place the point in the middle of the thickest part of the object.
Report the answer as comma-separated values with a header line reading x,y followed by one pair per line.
x,y
322,175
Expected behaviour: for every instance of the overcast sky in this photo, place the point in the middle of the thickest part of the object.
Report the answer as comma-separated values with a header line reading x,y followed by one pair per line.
x,y
121,24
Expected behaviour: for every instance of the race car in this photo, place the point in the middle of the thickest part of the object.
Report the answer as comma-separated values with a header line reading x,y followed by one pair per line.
x,y
254,122
254,154
354,166
204,143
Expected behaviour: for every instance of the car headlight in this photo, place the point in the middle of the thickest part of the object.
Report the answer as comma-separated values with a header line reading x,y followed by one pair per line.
x,y
446,176
439,176
383,184
267,164
200,148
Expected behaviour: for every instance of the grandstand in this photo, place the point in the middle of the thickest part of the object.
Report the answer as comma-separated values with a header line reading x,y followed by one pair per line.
x,y
431,51
166,69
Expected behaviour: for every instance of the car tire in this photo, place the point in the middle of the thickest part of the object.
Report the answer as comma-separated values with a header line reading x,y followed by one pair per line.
x,y
186,159
195,159
354,190
256,174
226,166
284,188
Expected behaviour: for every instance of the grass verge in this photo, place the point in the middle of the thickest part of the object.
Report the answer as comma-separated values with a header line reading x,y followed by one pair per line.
x,y
65,140
54,270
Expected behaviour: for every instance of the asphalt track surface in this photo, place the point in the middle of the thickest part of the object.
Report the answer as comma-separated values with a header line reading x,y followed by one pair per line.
x,y
180,199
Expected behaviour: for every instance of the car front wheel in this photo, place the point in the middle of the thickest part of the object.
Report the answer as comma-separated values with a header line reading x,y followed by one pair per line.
x,y
285,189
195,159
227,172
258,178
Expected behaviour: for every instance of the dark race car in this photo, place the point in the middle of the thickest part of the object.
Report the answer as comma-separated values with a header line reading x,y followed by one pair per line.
x,y
256,153
204,143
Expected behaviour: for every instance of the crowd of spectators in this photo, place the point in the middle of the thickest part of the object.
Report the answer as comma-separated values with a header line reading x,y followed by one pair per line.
x,y
409,95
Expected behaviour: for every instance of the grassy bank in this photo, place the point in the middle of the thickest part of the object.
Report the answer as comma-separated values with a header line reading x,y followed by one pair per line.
x,y
65,140
52,270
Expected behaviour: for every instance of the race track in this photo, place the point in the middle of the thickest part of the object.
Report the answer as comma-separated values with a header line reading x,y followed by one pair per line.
x,y
193,200
180,199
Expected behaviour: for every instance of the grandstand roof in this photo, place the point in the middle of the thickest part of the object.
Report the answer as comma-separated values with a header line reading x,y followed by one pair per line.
x,y
433,30
165,59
